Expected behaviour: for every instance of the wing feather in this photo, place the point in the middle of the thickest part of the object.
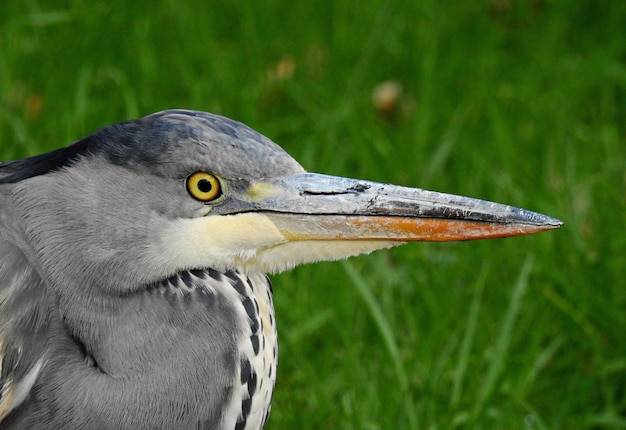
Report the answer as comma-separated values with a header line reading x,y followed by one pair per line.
x,y
23,309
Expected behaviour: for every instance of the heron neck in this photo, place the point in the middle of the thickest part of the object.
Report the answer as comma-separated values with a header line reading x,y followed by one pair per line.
x,y
186,338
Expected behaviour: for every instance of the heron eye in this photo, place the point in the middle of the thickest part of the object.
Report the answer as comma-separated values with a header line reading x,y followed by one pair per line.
x,y
204,186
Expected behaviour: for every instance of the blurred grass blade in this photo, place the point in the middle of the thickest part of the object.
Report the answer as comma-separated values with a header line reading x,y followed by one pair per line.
x,y
570,311
468,337
607,420
541,361
444,149
382,323
501,348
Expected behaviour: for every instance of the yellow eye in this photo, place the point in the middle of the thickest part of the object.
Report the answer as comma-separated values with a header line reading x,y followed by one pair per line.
x,y
204,186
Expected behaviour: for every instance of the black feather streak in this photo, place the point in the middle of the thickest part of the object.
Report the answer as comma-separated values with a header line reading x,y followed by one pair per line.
x,y
186,277
246,371
255,343
248,305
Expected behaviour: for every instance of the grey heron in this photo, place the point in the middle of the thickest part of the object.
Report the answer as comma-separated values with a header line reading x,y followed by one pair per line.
x,y
133,291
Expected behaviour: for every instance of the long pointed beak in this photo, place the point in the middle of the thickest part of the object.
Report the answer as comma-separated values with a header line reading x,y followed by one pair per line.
x,y
311,206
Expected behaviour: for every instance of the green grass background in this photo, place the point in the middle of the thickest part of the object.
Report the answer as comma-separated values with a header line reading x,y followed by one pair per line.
x,y
521,102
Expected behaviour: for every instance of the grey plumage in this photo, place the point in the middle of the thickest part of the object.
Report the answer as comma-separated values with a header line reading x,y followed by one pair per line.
x,y
75,233
127,303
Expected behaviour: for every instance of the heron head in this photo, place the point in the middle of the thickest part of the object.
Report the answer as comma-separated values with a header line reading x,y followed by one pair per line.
x,y
141,200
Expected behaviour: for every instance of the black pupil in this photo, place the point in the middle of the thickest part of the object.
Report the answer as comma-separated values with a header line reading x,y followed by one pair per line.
x,y
204,185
